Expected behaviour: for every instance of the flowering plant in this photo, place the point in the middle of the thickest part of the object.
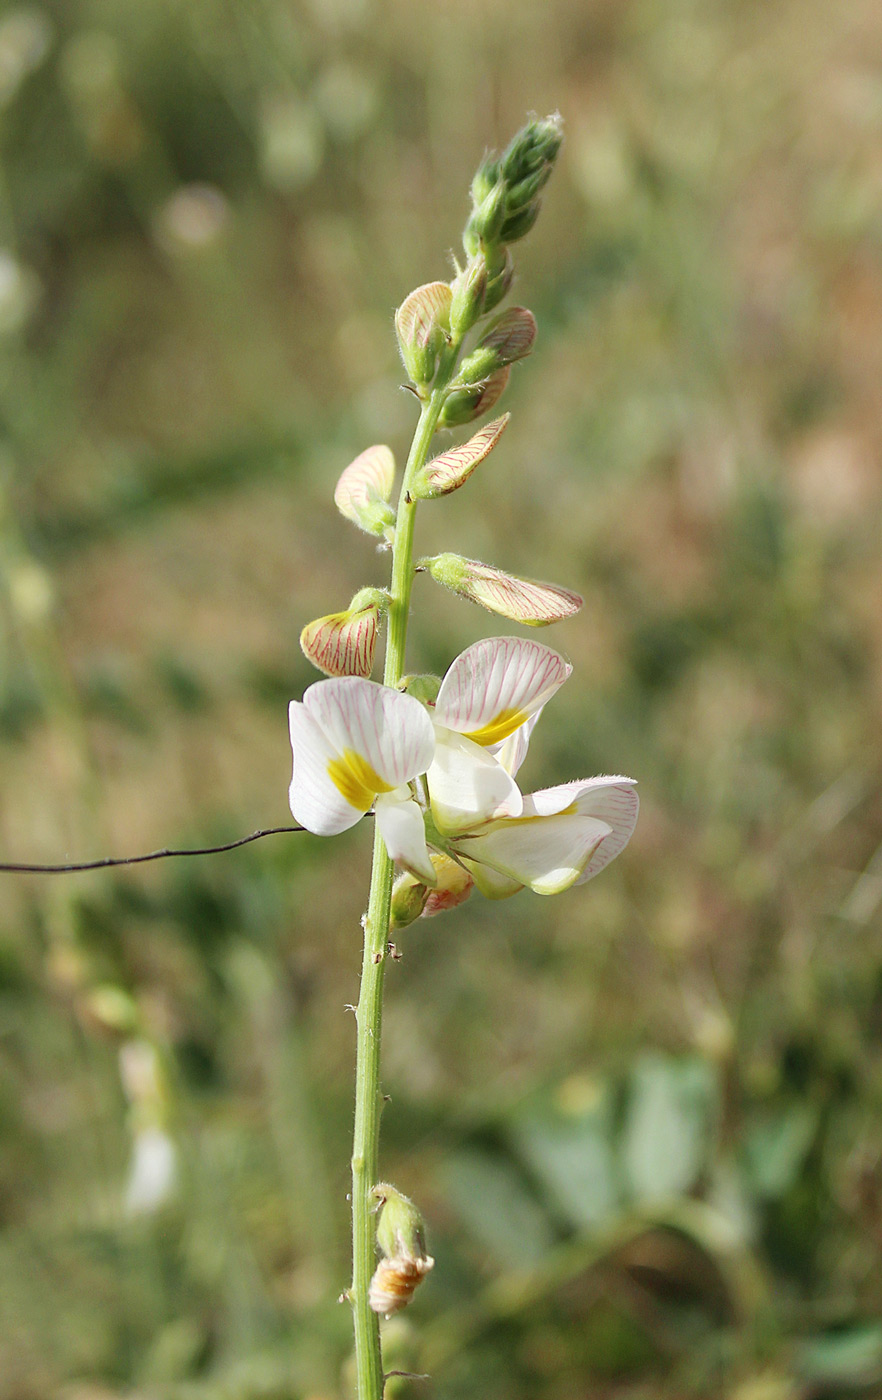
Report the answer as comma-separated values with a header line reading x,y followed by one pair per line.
x,y
436,761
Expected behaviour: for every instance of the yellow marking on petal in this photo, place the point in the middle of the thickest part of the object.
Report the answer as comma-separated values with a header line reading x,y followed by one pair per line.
x,y
355,780
499,728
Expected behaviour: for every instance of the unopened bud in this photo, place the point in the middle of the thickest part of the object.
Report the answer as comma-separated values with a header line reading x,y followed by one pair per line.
x,y
448,471
534,148
401,1231
363,491
512,335
510,338
409,897
402,1238
486,220
468,290
518,225
423,688
343,644
522,600
499,279
486,177
479,365
422,322
466,404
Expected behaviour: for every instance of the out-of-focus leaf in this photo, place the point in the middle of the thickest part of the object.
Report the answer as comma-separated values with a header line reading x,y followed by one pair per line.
x,y
666,1125
572,1155
775,1148
849,1358
495,1204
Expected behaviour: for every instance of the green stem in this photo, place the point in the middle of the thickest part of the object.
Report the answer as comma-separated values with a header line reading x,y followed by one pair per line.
x,y
369,1012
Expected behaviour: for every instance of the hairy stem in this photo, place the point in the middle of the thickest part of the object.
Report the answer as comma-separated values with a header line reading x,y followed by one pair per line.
x,y
369,1012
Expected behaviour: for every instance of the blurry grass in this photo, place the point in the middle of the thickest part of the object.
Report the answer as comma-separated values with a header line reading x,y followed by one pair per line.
x,y
207,214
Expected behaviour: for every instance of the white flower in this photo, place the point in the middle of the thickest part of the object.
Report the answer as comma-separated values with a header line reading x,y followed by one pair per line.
x,y
358,745
486,708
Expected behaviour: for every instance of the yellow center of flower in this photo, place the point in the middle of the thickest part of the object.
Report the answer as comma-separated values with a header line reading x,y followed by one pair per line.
x,y
499,728
355,780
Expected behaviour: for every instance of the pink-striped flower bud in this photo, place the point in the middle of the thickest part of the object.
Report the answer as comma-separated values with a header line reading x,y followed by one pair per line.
x,y
510,338
522,600
363,491
343,644
422,322
448,471
466,404
512,334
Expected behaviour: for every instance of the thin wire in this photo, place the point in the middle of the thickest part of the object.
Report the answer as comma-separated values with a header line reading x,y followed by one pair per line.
x,y
151,855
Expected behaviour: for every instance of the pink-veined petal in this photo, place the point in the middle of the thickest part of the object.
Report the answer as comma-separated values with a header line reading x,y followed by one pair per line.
x,y
546,853
493,687
386,730
316,801
467,785
403,830
613,800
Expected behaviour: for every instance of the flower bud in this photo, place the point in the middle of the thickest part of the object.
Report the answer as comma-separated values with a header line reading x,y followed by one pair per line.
x,y
512,335
412,900
532,149
510,338
499,279
363,491
423,688
520,599
468,290
401,1231
466,404
479,365
448,471
409,897
422,322
402,1238
485,178
485,222
518,225
506,194
343,644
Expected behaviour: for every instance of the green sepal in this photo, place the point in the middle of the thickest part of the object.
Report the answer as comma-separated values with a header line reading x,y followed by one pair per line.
x,y
401,1232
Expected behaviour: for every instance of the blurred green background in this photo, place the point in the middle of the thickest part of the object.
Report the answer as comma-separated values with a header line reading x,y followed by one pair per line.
x,y
643,1119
